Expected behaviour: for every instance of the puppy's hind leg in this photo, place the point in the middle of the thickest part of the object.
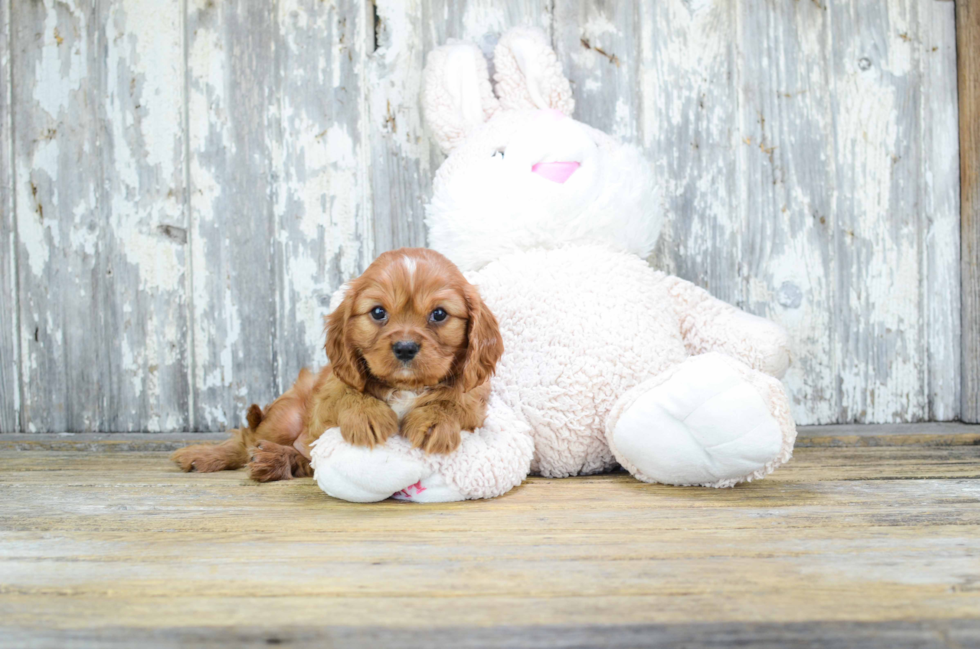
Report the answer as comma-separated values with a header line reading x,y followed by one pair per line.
x,y
207,458
271,462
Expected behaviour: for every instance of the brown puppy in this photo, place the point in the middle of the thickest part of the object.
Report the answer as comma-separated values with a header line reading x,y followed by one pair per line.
x,y
411,345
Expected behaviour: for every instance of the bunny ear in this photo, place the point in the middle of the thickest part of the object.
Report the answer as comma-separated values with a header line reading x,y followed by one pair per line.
x,y
456,92
528,74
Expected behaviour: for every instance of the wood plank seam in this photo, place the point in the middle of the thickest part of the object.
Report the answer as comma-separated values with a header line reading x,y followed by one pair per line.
x,y
16,422
191,228
968,76
939,210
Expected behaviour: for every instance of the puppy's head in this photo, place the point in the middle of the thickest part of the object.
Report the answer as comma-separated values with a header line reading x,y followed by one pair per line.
x,y
412,320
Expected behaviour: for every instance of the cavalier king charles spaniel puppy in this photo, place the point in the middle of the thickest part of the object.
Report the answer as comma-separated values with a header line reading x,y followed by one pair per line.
x,y
411,348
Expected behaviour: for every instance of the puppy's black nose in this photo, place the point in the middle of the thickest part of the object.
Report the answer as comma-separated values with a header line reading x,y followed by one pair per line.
x,y
405,350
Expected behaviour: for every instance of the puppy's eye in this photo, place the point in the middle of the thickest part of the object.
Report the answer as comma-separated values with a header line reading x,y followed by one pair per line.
x,y
379,314
438,315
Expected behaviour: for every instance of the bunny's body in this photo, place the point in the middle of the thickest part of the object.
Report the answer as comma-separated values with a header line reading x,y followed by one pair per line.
x,y
607,362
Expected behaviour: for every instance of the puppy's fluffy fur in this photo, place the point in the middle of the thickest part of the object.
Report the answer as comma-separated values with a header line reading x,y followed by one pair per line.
x,y
411,347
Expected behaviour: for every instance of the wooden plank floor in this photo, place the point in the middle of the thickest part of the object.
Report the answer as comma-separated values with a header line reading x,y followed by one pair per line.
x,y
875,545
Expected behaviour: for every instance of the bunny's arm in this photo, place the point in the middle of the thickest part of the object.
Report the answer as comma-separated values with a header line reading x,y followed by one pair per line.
x,y
488,463
709,324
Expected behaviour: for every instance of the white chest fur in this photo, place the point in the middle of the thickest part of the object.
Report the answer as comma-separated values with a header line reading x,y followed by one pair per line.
x,y
401,401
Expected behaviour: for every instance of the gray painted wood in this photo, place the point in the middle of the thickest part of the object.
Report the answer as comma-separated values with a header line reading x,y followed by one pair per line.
x,y
61,226
192,180
925,634
787,136
143,201
693,128
688,127
785,161
232,95
881,238
9,358
939,205
98,162
598,44
968,43
480,21
323,206
400,173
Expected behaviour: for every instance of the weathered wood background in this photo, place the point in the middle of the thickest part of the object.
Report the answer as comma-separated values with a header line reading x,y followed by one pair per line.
x,y
186,181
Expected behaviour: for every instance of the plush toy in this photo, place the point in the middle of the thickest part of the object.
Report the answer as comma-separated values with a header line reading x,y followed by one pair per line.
x,y
607,362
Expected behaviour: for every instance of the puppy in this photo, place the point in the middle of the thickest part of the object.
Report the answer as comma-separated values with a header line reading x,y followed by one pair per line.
x,y
411,347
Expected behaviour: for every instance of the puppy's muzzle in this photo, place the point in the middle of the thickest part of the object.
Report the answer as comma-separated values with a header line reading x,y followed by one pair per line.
x,y
405,350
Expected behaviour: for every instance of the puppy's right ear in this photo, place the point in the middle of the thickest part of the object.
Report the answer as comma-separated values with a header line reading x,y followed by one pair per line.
x,y
345,361
456,92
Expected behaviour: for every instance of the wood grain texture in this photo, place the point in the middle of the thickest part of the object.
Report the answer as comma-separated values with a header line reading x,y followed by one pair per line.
x,y
9,343
688,126
323,194
786,160
123,540
61,225
192,180
146,387
875,231
938,203
598,43
400,171
881,241
968,67
938,634
785,136
98,154
232,92
480,21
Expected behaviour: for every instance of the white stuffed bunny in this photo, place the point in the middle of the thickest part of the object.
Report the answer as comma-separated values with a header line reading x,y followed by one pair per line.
x,y
607,362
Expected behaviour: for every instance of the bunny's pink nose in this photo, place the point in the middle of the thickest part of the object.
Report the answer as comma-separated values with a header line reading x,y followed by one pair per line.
x,y
552,113
557,172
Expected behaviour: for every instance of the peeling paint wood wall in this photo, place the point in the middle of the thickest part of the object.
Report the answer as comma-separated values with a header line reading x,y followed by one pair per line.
x,y
98,161
9,360
187,181
810,158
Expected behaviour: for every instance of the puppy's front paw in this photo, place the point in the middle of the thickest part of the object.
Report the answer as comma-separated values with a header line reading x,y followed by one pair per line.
x,y
371,422
432,429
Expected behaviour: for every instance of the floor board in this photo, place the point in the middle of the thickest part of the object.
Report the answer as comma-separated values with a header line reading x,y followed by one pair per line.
x,y
851,541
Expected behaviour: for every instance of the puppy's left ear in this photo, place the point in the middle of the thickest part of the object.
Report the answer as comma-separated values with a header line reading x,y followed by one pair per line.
x,y
484,346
